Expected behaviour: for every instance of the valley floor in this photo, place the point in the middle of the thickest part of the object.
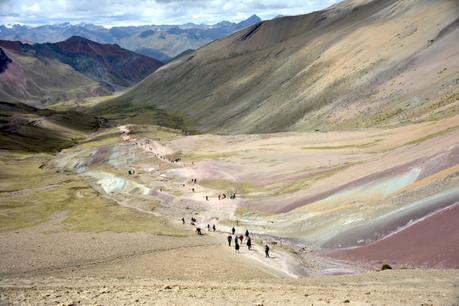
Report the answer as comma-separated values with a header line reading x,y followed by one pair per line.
x,y
99,223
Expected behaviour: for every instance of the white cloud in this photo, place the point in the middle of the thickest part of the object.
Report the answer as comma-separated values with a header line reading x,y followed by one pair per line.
x,y
136,12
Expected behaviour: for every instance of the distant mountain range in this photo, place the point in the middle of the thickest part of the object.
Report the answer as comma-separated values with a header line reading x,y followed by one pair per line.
x,y
42,74
161,42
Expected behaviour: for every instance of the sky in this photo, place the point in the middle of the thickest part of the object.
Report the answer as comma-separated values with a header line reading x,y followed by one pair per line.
x,y
140,12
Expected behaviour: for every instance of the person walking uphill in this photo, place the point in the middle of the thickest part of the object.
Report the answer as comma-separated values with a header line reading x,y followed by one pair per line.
x,y
233,230
236,246
267,251
249,243
246,233
229,240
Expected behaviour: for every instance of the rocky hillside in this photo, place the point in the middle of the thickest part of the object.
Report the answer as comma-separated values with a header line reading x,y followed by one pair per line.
x,y
359,63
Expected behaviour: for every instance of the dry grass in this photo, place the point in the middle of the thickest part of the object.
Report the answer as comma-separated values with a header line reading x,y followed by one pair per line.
x,y
30,196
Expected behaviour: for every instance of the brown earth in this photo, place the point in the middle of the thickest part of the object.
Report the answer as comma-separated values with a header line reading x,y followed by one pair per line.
x,y
432,242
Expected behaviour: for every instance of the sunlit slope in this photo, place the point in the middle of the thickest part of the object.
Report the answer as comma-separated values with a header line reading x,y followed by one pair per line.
x,y
356,64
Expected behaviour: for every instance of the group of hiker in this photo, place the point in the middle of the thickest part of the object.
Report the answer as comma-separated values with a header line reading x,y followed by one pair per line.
x,y
193,222
239,239
209,228
223,196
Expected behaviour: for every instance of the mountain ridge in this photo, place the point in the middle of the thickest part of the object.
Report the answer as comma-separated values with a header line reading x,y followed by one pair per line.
x,y
164,40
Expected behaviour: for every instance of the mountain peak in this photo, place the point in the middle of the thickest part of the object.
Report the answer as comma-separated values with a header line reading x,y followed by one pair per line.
x,y
77,38
254,19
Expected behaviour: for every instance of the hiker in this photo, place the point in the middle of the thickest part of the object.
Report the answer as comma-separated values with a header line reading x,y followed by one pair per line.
x,y
233,230
229,240
213,227
246,233
208,227
249,243
183,220
236,247
241,237
219,197
207,198
267,251
198,230
192,189
224,196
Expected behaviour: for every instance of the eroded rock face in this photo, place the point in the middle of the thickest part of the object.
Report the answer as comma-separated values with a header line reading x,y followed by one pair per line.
x,y
4,60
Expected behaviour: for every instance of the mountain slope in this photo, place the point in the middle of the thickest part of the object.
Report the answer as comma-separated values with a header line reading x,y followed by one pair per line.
x,y
355,64
102,62
43,81
43,74
29,129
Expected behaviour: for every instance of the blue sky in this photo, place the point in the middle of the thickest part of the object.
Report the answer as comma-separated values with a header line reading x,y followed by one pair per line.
x,y
138,12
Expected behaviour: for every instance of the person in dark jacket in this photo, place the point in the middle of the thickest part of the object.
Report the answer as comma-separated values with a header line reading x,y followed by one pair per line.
x,y
229,240
233,230
249,243
236,246
213,227
267,251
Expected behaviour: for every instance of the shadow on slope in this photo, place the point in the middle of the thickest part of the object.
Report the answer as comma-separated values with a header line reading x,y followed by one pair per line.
x,y
25,128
